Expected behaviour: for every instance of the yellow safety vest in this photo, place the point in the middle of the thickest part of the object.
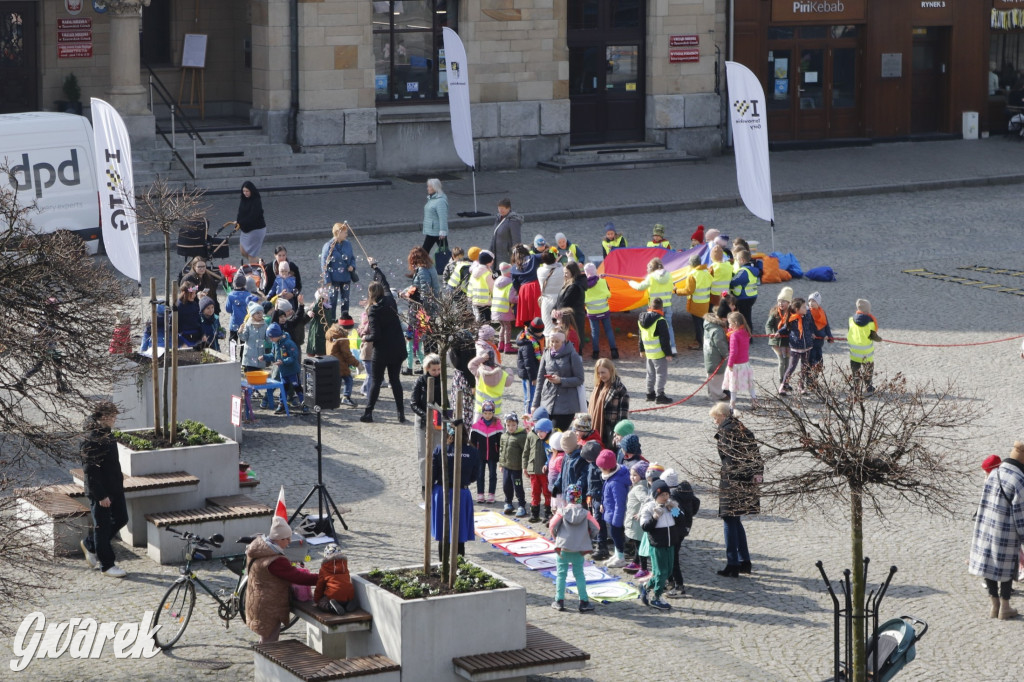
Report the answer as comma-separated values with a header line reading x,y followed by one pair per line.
x,y
617,243
483,393
478,292
652,344
660,245
499,302
354,342
702,287
862,348
573,249
455,280
751,288
662,291
721,275
596,299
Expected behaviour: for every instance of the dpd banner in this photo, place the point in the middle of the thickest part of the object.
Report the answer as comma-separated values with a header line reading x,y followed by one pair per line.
x,y
117,188
458,96
750,140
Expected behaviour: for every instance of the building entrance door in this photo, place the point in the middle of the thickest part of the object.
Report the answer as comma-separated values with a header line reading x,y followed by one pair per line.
x,y
930,89
606,70
813,87
19,77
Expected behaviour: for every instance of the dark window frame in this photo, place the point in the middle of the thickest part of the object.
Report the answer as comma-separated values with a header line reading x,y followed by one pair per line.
x,y
444,13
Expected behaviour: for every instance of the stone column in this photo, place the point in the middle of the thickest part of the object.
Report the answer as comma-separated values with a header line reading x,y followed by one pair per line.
x,y
127,93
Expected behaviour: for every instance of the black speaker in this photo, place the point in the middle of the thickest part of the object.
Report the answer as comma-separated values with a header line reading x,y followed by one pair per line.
x,y
321,382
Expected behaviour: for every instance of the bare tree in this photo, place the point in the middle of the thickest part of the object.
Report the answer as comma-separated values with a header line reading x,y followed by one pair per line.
x,y
166,210
56,323
836,447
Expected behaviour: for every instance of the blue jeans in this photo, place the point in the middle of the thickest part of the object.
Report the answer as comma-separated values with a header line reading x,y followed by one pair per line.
x,y
595,328
562,562
735,541
348,385
529,389
492,468
340,292
368,364
618,534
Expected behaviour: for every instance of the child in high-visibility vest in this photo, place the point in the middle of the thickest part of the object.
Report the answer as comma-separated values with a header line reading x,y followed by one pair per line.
x,y
503,300
481,286
658,284
656,350
861,337
491,381
739,376
658,238
822,330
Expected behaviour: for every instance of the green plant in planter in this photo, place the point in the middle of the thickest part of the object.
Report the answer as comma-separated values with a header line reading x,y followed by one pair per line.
x,y
189,433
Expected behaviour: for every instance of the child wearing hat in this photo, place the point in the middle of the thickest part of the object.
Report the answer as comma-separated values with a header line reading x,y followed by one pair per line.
x,y
481,286
658,519
822,330
697,238
616,482
485,437
321,318
595,495
556,458
573,529
530,349
689,505
253,335
622,429
338,343
535,465
568,252
658,238
612,239
510,460
540,245
237,305
285,356
656,350
639,491
629,451
334,592
209,324
778,341
503,303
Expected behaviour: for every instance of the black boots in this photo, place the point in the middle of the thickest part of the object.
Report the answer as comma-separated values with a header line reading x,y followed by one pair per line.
x,y
534,513
547,513
730,571
745,567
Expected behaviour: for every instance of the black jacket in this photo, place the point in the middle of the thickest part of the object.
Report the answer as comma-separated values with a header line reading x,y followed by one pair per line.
x,y
419,398
102,467
688,503
526,357
741,462
385,330
660,330
573,296
250,211
272,275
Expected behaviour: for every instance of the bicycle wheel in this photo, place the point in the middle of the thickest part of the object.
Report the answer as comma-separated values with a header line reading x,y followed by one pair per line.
x,y
174,612
241,605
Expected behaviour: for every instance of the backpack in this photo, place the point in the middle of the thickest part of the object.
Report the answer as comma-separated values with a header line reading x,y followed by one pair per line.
x,y
689,505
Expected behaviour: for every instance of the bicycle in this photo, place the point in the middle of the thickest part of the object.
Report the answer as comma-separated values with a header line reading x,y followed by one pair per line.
x,y
176,606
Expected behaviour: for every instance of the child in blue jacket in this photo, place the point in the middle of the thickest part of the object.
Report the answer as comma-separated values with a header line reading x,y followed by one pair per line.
x,y
285,354
800,328
238,304
822,330
613,503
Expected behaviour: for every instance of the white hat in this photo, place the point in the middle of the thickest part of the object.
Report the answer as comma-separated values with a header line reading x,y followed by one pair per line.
x,y
555,441
279,529
670,477
816,297
283,305
785,294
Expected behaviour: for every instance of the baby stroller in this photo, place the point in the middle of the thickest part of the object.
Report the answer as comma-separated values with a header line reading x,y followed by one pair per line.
x,y
895,640
194,240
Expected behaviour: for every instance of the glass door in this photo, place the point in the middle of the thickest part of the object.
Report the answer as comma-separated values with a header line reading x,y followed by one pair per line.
x,y
18,66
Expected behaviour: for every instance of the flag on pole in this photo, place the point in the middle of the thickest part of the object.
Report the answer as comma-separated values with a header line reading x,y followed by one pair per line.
x,y
457,71
750,140
117,189
281,510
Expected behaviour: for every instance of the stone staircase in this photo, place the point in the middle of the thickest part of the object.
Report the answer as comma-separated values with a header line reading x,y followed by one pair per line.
x,y
232,156
622,155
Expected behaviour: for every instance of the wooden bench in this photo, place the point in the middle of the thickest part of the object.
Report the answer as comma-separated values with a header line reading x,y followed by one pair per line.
x,y
55,516
231,516
147,495
325,632
288,660
544,653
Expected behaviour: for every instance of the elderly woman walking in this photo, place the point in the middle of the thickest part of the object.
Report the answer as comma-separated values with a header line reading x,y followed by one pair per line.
x,y
999,531
742,470
435,215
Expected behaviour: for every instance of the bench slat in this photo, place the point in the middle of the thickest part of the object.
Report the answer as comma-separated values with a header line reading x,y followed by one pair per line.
x,y
220,509
308,665
542,648
308,608
56,505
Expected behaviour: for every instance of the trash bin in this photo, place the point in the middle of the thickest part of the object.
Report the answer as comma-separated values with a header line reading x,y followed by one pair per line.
x,y
970,126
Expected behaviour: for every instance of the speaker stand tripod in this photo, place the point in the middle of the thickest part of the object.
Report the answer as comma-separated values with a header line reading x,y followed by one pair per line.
x,y
324,499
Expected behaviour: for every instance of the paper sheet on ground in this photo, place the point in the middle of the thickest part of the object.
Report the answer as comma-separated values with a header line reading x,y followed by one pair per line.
x,y
505,533
611,591
592,574
491,519
524,547
538,562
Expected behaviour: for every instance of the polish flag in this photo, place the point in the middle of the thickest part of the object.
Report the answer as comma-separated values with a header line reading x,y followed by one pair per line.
x,y
281,510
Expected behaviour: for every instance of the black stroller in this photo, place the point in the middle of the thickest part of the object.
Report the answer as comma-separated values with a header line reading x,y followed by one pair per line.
x,y
194,239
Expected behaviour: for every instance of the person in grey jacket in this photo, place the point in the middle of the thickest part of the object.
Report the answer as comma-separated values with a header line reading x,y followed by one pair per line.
x,y
574,530
559,376
716,350
435,215
508,231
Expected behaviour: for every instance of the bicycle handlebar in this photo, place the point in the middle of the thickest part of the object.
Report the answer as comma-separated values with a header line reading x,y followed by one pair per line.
x,y
214,541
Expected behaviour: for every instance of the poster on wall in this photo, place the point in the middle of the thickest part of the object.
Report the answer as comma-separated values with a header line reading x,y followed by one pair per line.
x,y
74,38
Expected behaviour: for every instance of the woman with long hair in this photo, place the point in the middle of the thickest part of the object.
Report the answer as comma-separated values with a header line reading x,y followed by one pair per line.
x,y
209,279
742,470
384,329
573,295
338,267
609,401
251,223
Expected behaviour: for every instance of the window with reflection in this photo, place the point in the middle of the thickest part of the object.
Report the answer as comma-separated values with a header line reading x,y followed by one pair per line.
x,y
408,49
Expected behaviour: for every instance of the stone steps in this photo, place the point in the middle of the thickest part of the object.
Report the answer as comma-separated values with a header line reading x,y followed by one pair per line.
x,y
602,157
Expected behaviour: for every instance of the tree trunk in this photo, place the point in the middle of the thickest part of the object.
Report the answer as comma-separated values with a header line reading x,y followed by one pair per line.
x,y
154,342
428,476
857,587
168,302
456,499
444,376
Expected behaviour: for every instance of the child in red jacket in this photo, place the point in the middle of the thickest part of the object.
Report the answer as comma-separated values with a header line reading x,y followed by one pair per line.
x,y
334,592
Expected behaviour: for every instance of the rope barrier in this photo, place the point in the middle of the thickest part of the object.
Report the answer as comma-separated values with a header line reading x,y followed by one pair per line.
x,y
682,400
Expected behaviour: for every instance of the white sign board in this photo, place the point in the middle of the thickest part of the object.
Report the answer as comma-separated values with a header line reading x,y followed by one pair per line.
x,y
194,54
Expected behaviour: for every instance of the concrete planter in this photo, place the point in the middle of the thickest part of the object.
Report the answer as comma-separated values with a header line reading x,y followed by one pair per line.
x,y
216,467
423,635
204,394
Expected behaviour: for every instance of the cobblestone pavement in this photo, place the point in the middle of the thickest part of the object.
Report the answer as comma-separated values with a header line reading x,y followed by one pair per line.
x,y
773,625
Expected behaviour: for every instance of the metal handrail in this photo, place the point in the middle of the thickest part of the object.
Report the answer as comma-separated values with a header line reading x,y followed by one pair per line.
x,y
156,85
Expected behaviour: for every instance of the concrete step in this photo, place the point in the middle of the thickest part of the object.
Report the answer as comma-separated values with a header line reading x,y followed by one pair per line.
x,y
639,155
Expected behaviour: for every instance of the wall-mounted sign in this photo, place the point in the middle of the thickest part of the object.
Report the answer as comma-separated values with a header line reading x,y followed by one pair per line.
x,y
686,54
74,38
683,41
892,65
819,11
932,10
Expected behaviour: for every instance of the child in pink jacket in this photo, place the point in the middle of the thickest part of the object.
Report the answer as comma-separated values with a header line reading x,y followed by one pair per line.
x,y
739,376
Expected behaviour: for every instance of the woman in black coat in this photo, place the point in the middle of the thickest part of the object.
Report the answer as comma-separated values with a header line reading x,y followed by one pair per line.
x,y
251,222
573,295
104,487
742,471
384,329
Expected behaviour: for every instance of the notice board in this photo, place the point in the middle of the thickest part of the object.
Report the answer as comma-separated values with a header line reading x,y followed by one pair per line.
x,y
193,56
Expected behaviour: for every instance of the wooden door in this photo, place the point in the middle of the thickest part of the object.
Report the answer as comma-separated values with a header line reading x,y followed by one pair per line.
x,y
930,78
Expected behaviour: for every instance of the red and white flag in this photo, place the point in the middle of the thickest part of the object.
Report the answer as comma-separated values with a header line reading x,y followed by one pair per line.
x,y
281,510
